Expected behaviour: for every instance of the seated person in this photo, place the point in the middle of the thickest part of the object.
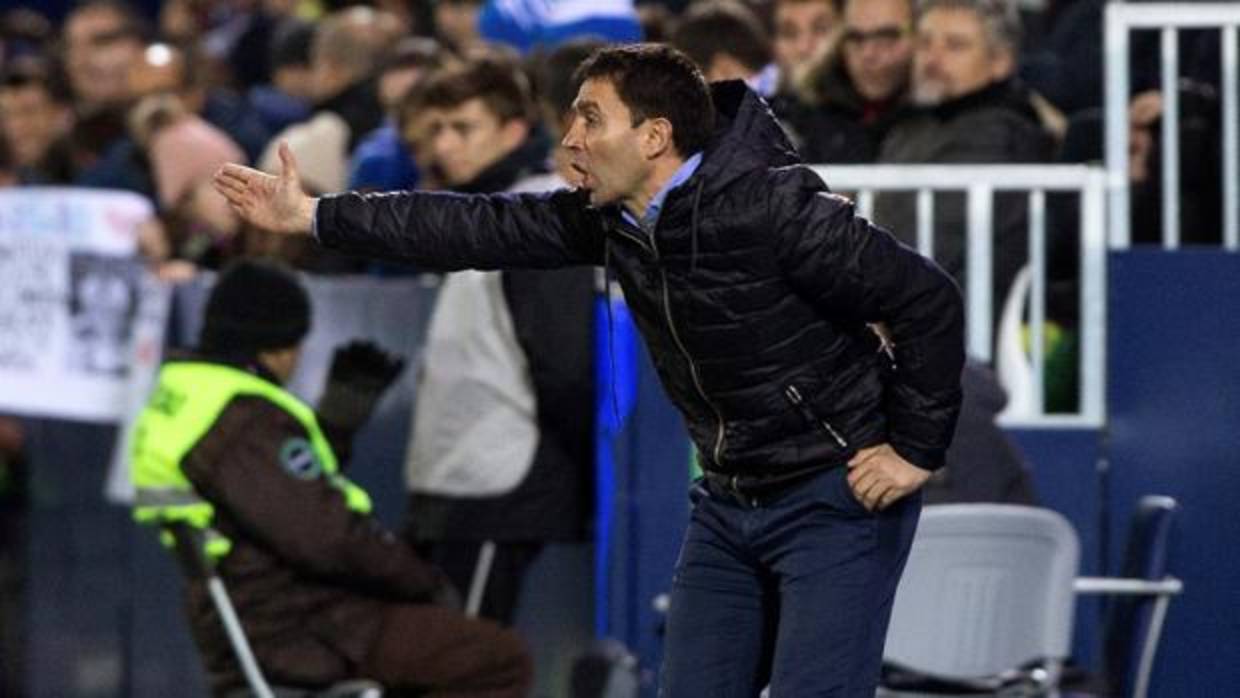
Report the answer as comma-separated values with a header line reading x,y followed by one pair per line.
x,y
323,591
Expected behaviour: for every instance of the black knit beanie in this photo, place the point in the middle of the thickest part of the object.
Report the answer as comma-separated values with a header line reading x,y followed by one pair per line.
x,y
255,306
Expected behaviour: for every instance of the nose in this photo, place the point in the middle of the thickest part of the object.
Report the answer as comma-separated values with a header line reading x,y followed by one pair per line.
x,y
805,46
572,137
443,143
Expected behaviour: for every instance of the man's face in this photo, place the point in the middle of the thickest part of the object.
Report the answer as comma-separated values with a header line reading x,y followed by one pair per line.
x,y
30,121
467,139
98,54
878,47
802,28
954,57
604,145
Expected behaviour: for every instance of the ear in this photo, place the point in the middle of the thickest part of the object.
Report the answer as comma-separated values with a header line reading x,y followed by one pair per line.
x,y
1002,65
656,137
513,133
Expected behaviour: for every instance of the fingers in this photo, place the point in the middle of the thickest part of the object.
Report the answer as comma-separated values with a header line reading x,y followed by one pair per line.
x,y
876,481
288,163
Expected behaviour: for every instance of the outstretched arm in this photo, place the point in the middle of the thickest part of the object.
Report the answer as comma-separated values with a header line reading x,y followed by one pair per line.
x,y
433,230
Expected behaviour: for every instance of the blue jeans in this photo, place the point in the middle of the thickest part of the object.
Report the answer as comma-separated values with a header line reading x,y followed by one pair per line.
x,y
793,590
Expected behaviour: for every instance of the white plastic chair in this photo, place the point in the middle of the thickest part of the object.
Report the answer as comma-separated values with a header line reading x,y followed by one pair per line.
x,y
987,589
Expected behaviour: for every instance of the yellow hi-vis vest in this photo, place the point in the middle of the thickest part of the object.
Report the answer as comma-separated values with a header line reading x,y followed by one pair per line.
x,y
188,399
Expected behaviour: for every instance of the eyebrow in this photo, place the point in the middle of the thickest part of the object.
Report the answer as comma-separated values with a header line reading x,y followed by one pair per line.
x,y
582,105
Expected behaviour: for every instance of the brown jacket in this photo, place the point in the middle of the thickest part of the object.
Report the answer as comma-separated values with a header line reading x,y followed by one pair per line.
x,y
309,577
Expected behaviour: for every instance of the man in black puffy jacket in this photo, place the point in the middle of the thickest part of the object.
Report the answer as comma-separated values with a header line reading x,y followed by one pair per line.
x,y
755,290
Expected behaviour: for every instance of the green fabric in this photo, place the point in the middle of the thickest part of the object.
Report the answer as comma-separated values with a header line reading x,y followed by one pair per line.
x,y
188,399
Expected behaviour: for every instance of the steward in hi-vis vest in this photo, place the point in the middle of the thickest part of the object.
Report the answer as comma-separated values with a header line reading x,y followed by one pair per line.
x,y
323,591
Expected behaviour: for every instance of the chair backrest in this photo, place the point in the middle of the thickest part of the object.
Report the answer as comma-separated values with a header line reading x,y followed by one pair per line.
x,y
987,588
1129,618
190,547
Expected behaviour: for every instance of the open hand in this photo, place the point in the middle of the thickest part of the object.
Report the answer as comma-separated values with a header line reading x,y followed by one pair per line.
x,y
272,202
879,477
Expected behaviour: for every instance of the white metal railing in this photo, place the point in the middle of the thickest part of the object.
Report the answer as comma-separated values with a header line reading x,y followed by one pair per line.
x,y
980,183
1169,18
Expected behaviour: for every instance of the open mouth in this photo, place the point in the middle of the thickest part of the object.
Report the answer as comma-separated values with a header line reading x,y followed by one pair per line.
x,y
581,175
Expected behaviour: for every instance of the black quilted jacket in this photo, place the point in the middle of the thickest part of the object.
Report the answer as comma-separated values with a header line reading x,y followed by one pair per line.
x,y
753,294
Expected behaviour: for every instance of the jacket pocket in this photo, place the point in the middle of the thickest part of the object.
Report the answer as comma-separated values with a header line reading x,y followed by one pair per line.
x,y
798,400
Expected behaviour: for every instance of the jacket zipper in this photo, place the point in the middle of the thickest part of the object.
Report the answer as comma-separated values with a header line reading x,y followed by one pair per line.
x,y
619,229
795,397
717,451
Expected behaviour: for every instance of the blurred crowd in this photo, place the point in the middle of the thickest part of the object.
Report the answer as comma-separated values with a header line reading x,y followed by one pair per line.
x,y
110,96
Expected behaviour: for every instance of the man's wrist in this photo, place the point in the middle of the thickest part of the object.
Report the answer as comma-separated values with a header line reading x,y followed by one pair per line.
x,y
305,216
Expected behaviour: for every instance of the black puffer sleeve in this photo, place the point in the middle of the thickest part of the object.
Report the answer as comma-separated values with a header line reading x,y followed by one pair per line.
x,y
853,270
447,232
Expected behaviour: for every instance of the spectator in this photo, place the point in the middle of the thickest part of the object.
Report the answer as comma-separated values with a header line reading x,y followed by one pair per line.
x,y
322,590
802,31
1066,65
853,91
348,49
503,433
287,99
727,42
184,151
35,119
456,23
656,21
102,39
24,32
969,109
382,162
177,70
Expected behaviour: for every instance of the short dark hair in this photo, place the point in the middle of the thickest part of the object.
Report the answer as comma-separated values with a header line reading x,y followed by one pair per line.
x,y
723,28
33,71
494,78
133,25
556,73
657,81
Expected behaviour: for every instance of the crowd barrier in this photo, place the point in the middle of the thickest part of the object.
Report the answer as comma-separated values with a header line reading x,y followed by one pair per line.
x,y
980,184
1169,19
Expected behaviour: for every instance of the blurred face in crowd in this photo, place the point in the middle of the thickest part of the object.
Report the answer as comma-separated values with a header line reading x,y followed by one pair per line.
x,y
609,156
955,57
98,52
30,121
802,28
878,47
467,139
456,22
395,83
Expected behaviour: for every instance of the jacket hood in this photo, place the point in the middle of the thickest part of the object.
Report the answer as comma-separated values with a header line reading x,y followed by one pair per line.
x,y
747,137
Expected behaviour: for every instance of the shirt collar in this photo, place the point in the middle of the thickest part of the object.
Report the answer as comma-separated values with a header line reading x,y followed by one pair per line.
x,y
679,177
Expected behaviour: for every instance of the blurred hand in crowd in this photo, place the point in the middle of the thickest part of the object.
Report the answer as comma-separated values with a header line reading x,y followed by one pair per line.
x,y
276,203
360,373
1143,113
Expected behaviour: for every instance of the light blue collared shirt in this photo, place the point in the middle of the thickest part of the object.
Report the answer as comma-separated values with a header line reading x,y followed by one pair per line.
x,y
682,175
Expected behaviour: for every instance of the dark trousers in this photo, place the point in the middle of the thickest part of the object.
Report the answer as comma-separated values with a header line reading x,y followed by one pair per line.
x,y
793,590
431,652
